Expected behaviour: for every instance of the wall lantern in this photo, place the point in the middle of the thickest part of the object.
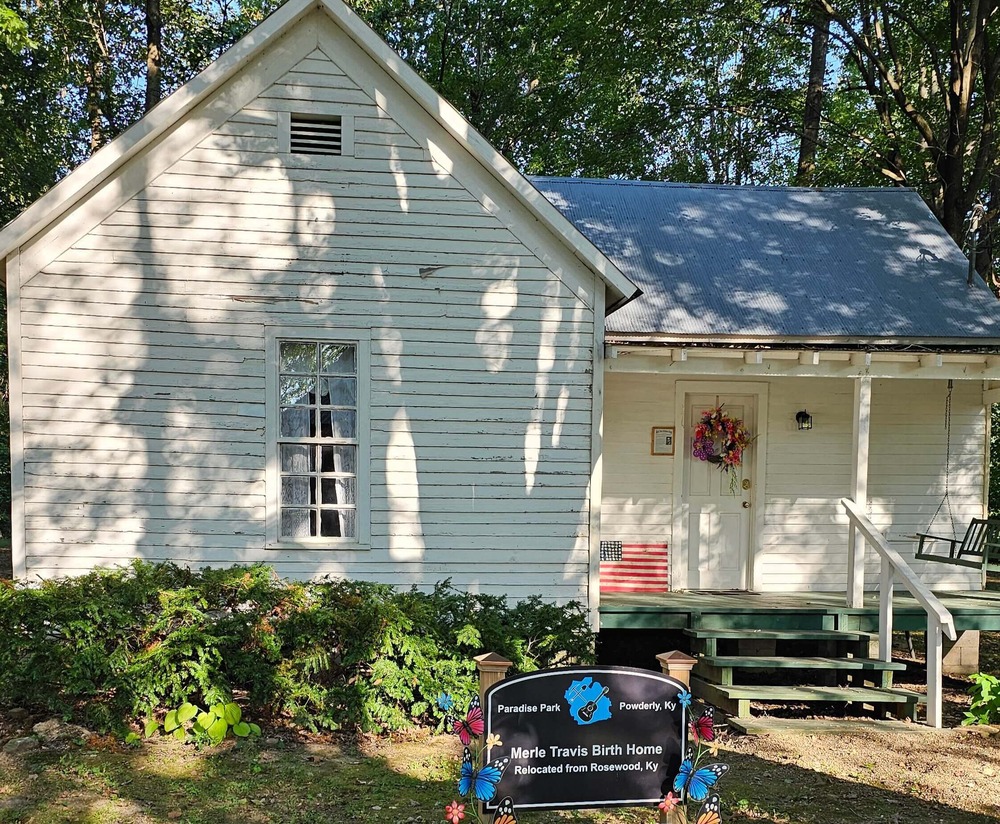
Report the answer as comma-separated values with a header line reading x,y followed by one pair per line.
x,y
804,420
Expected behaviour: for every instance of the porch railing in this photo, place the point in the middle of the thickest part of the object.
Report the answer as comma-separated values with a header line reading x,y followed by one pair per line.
x,y
895,570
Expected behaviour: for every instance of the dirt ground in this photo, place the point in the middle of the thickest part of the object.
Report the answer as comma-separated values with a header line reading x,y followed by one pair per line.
x,y
856,771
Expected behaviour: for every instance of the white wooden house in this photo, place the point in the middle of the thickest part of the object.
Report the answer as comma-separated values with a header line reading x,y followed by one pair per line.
x,y
303,314
849,305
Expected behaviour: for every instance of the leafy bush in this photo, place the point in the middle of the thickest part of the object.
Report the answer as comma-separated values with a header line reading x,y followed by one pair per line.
x,y
115,645
985,691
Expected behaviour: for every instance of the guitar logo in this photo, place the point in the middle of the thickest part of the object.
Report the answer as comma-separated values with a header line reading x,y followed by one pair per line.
x,y
588,701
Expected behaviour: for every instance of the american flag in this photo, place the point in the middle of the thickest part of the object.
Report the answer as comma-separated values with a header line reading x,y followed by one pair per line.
x,y
634,567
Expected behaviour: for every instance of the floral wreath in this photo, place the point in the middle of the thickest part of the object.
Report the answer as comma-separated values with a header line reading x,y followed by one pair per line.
x,y
720,439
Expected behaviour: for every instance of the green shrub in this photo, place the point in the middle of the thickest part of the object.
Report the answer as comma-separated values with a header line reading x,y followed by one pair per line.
x,y
985,691
113,646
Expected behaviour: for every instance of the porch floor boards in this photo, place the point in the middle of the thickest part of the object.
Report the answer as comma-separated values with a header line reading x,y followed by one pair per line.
x,y
780,610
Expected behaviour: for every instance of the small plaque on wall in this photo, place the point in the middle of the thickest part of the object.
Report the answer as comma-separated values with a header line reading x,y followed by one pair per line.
x,y
662,440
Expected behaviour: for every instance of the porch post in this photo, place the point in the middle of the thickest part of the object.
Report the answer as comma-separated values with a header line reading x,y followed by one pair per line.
x,y
859,490
934,645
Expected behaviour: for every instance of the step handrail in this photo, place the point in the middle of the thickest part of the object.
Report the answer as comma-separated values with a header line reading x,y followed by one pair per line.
x,y
939,619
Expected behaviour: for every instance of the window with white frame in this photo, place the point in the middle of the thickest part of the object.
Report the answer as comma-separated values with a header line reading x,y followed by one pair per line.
x,y
318,447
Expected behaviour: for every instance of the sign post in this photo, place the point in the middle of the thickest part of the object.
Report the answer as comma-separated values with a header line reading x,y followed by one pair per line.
x,y
587,736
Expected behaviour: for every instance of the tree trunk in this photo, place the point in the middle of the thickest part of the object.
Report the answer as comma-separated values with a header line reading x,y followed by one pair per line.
x,y
97,75
814,98
94,81
154,27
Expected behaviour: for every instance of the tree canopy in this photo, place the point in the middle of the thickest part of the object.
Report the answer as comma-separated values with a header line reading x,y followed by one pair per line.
x,y
812,92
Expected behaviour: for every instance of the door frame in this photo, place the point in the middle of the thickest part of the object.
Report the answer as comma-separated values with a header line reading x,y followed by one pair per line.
x,y
679,551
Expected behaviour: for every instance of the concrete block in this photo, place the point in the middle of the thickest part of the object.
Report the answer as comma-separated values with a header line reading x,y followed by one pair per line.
x,y
961,657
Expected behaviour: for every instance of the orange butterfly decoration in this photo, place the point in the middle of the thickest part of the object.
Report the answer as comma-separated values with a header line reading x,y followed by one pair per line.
x,y
710,812
505,812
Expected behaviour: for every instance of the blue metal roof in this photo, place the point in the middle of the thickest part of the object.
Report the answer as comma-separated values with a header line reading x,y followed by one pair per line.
x,y
768,262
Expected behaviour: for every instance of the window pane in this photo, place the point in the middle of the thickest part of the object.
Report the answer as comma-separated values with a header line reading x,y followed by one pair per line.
x,y
297,390
295,422
339,523
339,459
297,356
298,491
338,423
338,359
296,458
318,390
339,391
339,491
298,523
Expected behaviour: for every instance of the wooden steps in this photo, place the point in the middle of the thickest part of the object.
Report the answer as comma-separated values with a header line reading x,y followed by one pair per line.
x,y
778,634
832,643
719,668
828,666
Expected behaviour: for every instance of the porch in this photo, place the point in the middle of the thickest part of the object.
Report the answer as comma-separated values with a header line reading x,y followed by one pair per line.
x,y
805,648
793,610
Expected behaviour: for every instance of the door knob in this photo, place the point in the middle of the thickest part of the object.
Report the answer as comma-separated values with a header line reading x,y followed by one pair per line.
x,y
746,504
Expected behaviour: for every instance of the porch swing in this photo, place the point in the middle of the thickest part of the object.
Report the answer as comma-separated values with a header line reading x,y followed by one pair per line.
x,y
980,547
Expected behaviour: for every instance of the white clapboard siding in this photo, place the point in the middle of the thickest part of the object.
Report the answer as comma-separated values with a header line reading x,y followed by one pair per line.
x,y
285,313
243,198
636,505
74,269
417,367
321,220
803,543
558,586
143,354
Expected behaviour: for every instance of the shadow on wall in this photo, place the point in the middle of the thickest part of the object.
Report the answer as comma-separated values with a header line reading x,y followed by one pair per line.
x,y
480,367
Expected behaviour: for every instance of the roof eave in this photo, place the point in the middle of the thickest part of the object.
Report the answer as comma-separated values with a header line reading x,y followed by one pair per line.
x,y
846,342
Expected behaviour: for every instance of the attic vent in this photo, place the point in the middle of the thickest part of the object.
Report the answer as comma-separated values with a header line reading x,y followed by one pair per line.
x,y
313,135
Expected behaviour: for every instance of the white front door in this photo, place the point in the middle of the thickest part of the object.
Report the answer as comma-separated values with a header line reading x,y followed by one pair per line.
x,y
718,511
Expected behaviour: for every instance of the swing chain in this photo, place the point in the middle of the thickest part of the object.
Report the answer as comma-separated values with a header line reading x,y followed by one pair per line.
x,y
947,465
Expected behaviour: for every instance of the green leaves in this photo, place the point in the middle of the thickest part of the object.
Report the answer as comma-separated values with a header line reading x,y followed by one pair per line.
x,y
170,722
117,645
985,692
189,722
217,730
13,30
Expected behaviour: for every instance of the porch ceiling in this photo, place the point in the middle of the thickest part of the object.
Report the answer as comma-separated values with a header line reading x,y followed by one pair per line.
x,y
803,363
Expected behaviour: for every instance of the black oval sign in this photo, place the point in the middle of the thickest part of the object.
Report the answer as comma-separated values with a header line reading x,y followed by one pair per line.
x,y
586,736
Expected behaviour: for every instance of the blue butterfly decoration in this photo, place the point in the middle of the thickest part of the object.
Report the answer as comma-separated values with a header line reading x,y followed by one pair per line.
x,y
481,783
697,782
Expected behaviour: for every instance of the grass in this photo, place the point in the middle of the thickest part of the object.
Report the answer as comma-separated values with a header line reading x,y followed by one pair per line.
x,y
918,777
410,780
